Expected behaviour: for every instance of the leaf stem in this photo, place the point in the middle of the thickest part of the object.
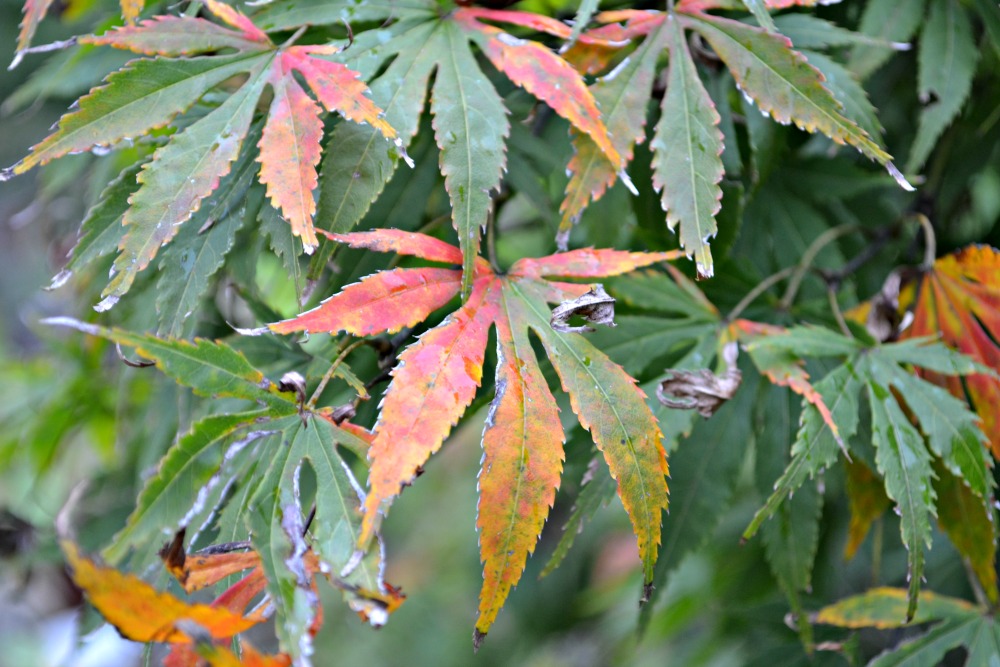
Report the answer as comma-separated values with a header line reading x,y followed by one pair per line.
x,y
333,368
930,241
295,36
831,295
808,257
759,289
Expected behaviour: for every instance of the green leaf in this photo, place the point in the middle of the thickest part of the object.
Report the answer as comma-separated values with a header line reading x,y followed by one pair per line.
x,y
146,94
782,84
759,10
984,644
183,471
355,173
471,128
291,15
952,430
285,245
946,63
891,21
102,230
807,341
811,32
989,13
597,489
849,93
815,447
904,462
187,266
179,177
970,523
687,150
929,649
583,15
885,608
210,368
277,533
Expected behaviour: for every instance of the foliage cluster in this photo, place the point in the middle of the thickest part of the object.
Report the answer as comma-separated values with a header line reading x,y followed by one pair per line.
x,y
837,355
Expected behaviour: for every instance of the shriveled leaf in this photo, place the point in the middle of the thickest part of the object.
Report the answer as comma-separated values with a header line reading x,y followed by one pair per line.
x,y
781,83
140,612
687,163
594,307
702,390
946,63
886,608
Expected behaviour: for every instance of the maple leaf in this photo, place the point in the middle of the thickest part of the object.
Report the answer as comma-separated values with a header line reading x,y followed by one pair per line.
x,y
149,93
468,116
958,299
437,378
687,145
140,612
903,454
261,452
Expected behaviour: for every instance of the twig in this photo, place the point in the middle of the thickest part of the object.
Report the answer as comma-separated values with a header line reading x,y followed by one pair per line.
x,y
329,374
930,241
759,289
824,239
831,294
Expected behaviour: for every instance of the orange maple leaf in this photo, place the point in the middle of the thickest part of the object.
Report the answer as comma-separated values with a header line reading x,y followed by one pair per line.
x,y
958,299
437,378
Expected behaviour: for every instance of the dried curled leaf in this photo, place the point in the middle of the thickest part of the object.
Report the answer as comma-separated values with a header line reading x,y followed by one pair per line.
x,y
595,307
702,390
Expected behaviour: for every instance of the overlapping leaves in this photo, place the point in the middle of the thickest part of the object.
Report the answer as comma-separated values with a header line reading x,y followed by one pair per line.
x,y
149,93
687,145
437,377
469,117
237,475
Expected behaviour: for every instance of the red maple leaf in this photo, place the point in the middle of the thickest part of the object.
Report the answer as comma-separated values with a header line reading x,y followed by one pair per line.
x,y
437,378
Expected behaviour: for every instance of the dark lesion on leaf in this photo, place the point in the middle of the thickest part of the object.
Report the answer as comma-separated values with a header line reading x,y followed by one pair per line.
x,y
702,390
595,307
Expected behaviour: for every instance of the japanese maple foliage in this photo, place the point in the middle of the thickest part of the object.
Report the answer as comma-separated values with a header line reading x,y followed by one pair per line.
x,y
437,377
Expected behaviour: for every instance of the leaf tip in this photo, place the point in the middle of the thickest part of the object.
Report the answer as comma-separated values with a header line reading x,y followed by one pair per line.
x,y
478,637
647,593
897,175
107,303
7,173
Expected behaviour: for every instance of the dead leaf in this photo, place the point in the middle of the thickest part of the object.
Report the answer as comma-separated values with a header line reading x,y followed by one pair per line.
x,y
702,390
596,307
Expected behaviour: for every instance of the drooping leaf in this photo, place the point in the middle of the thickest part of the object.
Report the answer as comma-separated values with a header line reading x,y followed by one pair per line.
x,y
946,63
958,300
892,21
904,463
970,523
782,84
886,608
687,163
210,368
437,377
140,612
931,647
867,500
